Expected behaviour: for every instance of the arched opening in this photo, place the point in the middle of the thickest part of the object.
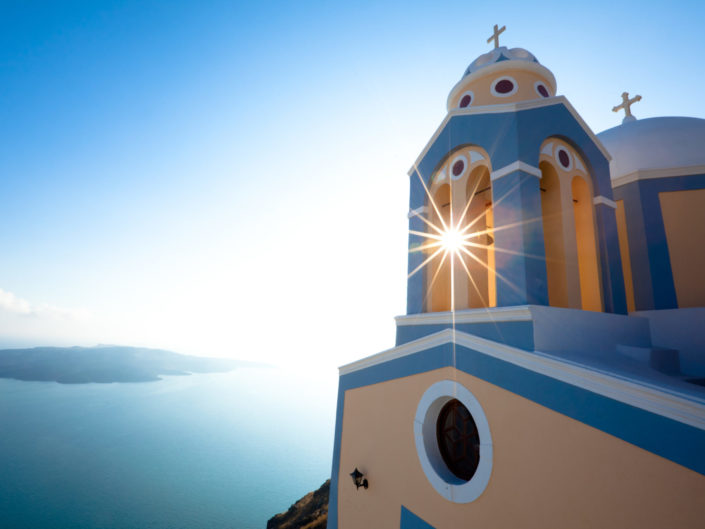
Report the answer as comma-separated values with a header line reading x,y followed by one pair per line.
x,y
553,238
482,288
440,269
590,292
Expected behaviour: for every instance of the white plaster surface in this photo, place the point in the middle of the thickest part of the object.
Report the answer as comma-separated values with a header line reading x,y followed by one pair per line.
x,y
655,143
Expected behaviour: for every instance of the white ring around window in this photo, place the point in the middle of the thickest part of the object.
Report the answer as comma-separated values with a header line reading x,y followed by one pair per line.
x,y
439,475
558,159
541,83
467,93
507,94
455,160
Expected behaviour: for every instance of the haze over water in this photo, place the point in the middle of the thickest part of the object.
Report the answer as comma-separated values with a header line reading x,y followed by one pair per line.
x,y
218,450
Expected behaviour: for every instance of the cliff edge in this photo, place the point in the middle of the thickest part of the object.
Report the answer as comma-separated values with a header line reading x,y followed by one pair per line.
x,y
310,512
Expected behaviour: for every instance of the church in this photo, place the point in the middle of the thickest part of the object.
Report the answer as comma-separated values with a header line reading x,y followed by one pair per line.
x,y
550,368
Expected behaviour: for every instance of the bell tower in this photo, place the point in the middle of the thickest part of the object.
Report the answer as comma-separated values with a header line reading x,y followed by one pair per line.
x,y
510,201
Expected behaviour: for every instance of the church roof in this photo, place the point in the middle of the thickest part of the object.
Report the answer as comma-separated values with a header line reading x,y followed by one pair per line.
x,y
655,144
498,55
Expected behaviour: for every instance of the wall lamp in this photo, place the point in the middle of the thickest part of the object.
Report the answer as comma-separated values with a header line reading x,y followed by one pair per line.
x,y
358,478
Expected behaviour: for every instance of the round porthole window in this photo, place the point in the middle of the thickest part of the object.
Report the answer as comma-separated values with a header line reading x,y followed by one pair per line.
x,y
541,89
564,158
504,87
453,441
457,167
458,440
465,100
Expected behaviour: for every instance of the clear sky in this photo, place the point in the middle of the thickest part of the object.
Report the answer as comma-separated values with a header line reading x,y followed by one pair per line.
x,y
230,179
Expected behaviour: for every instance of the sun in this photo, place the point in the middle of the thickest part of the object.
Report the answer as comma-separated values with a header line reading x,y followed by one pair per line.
x,y
452,240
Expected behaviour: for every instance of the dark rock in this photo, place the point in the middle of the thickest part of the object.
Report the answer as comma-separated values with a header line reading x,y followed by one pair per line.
x,y
310,512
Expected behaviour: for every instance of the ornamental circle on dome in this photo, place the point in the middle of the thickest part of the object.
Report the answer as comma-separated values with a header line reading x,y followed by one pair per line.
x,y
466,99
458,166
440,177
504,86
564,158
541,89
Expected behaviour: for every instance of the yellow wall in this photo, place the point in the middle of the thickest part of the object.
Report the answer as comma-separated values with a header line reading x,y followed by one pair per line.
x,y
549,471
684,220
590,291
626,258
572,265
553,236
482,93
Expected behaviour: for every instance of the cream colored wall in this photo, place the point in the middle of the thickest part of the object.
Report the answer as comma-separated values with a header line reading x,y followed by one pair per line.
x,y
684,220
481,88
588,267
548,469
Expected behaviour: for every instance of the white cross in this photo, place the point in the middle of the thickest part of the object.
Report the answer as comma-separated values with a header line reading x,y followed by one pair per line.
x,y
626,105
495,35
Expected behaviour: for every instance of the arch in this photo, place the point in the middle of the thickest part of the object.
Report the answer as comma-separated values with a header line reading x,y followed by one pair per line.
x,y
482,289
440,269
570,240
553,240
460,198
590,291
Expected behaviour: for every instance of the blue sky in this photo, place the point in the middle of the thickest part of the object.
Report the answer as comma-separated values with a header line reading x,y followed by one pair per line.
x,y
230,179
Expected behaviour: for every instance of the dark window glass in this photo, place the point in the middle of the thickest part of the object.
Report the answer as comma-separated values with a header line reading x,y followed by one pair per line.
x,y
563,158
465,101
458,167
542,90
504,86
458,440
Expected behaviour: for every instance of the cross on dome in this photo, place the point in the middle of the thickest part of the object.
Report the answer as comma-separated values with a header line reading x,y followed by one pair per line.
x,y
626,105
495,35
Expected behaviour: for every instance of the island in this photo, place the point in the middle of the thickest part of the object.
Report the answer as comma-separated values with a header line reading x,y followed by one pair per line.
x,y
105,363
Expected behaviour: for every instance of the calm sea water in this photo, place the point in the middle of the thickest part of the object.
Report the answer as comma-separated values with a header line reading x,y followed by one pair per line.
x,y
203,451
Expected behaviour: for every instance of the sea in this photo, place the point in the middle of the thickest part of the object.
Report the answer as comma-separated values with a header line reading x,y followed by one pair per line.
x,y
217,451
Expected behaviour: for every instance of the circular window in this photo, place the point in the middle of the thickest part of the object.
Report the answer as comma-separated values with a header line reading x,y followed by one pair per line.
x,y
541,89
465,100
503,87
453,441
458,440
457,167
564,158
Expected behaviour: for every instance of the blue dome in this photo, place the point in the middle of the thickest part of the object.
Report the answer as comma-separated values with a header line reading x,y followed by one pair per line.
x,y
499,55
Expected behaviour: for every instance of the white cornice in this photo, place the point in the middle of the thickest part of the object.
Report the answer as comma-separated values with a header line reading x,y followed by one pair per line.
x,y
423,343
493,315
677,406
418,211
599,199
513,167
511,107
648,174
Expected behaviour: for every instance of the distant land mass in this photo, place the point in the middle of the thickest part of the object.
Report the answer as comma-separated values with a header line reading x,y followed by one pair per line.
x,y
106,363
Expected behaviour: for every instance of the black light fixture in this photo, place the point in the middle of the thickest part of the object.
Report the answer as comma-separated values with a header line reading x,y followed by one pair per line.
x,y
358,478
